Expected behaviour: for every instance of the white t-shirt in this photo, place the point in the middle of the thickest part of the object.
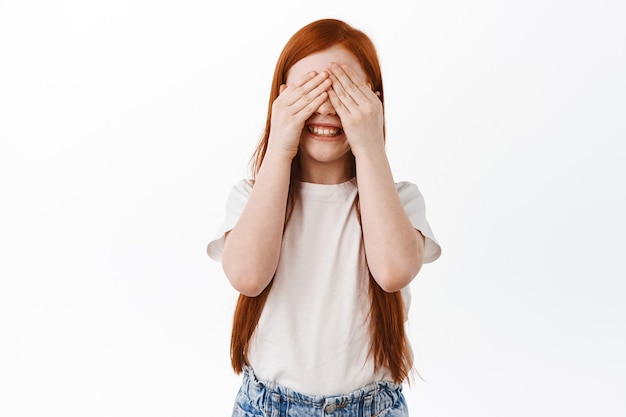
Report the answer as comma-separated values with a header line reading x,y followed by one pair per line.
x,y
313,335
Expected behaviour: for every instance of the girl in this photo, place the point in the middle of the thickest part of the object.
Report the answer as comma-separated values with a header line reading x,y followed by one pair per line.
x,y
322,244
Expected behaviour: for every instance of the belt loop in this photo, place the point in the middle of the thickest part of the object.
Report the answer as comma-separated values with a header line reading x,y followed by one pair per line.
x,y
275,405
368,410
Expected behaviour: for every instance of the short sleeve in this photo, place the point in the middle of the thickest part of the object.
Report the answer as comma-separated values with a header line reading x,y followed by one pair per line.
x,y
413,203
235,204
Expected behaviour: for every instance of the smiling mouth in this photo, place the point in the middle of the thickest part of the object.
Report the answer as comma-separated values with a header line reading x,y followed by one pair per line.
x,y
327,132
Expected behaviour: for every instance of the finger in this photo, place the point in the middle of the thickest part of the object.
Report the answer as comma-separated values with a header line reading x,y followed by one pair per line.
x,y
307,110
308,81
287,97
341,110
370,87
303,79
342,94
348,78
308,92
358,88
286,91
354,77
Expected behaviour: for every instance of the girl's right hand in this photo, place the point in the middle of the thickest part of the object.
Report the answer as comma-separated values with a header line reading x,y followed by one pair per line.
x,y
293,107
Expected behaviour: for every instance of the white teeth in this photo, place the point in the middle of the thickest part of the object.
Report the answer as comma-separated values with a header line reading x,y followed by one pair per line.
x,y
324,131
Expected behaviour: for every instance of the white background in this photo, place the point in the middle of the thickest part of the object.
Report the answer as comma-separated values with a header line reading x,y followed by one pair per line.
x,y
124,124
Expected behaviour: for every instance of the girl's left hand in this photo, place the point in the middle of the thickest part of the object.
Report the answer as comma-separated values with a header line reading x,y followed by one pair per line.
x,y
359,108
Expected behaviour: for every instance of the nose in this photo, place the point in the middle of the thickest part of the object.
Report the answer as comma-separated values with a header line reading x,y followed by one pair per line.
x,y
326,109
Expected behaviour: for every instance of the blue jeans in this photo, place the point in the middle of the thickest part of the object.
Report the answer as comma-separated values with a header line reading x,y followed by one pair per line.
x,y
267,399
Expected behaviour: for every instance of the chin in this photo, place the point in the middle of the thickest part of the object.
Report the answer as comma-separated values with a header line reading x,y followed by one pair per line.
x,y
325,150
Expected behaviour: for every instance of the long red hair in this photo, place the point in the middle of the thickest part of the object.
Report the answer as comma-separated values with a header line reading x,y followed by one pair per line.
x,y
389,345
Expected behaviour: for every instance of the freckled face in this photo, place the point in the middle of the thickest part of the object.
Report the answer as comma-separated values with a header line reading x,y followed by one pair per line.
x,y
323,139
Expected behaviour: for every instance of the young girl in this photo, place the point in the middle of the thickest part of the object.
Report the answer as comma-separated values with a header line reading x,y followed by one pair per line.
x,y
322,244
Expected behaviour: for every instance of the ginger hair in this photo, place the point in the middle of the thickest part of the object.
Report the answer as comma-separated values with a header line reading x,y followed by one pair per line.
x,y
389,346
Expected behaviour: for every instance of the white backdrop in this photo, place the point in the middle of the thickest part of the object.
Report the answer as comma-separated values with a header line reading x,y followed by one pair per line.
x,y
124,124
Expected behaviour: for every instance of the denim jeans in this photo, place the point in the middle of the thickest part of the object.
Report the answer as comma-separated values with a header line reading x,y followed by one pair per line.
x,y
267,399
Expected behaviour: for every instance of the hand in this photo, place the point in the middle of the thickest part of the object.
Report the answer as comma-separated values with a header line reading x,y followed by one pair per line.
x,y
293,107
358,107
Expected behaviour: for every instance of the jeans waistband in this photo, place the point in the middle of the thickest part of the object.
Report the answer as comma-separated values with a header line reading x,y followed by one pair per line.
x,y
366,401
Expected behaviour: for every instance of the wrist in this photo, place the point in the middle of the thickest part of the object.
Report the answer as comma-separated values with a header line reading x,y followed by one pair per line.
x,y
283,144
369,151
279,156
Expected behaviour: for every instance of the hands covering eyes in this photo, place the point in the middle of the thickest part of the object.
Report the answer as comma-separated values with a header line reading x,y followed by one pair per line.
x,y
357,106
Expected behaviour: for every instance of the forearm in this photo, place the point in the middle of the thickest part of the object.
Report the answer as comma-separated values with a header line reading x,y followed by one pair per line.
x,y
394,249
252,247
